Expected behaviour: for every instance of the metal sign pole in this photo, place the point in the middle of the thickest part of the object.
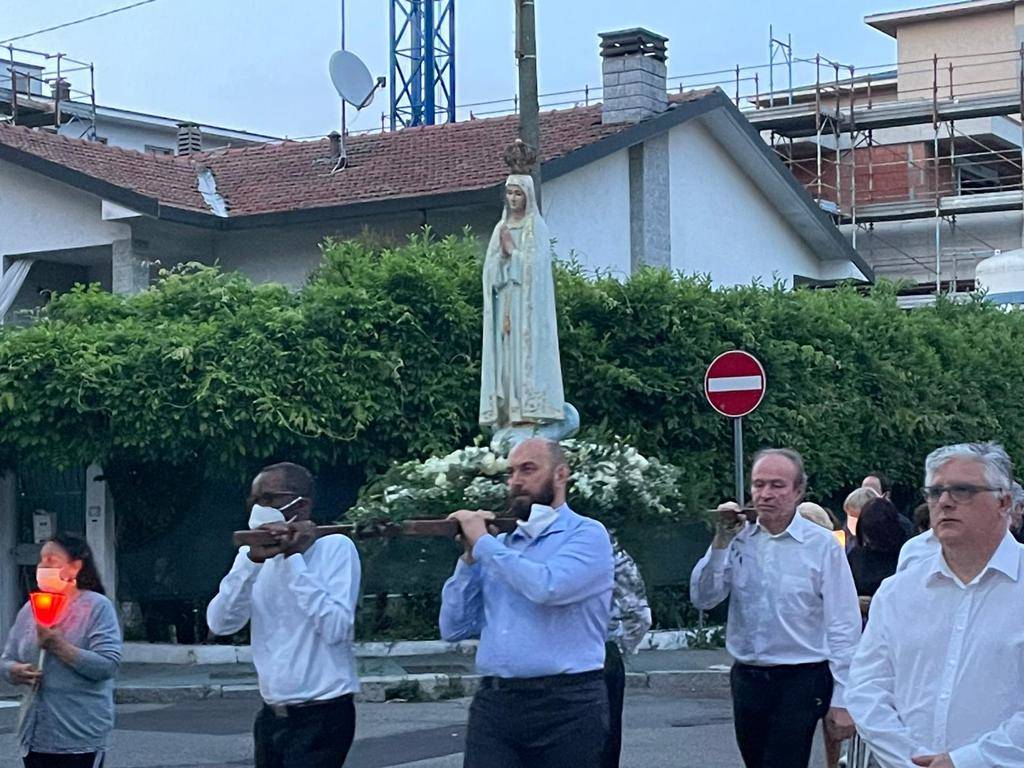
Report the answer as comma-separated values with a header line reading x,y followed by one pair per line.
x,y
737,443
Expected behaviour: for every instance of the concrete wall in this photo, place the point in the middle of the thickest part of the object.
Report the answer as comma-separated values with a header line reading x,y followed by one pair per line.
x,y
40,215
587,212
993,33
907,248
721,224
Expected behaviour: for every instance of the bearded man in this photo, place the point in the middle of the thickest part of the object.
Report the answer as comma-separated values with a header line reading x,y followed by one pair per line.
x,y
539,599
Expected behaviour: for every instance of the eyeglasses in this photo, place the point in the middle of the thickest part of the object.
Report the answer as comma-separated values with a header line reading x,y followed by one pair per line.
x,y
961,493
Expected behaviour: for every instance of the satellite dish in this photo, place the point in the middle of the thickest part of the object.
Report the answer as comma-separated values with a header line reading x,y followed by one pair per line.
x,y
352,79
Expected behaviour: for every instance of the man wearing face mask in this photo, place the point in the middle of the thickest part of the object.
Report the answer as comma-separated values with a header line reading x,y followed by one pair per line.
x,y
539,599
300,595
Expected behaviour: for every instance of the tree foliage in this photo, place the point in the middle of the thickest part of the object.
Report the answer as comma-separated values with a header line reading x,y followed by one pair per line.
x,y
376,360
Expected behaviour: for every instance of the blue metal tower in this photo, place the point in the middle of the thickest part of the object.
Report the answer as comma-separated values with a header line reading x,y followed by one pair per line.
x,y
422,77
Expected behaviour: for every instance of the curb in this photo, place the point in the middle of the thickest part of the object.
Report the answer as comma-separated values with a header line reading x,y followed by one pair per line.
x,y
166,653
428,687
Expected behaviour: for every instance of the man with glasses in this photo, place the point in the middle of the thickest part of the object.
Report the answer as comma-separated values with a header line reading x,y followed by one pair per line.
x,y
937,678
794,617
300,594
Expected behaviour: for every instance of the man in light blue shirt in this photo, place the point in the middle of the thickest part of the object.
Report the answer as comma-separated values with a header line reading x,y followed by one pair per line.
x,y
539,600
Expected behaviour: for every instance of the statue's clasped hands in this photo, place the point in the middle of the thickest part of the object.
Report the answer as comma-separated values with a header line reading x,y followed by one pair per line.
x,y
507,243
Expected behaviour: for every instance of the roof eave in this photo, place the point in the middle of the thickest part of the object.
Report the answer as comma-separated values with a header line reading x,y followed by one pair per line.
x,y
774,180
779,185
144,204
889,23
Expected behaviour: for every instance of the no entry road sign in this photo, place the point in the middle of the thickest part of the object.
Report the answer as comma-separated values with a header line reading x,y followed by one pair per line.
x,y
734,383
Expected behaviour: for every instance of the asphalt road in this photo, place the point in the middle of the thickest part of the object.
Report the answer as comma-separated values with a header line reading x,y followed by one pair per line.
x,y
661,730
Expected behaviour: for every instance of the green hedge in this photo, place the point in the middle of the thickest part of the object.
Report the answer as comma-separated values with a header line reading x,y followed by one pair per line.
x,y
376,359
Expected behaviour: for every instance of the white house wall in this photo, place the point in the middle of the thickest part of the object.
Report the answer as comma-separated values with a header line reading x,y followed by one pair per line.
x,y
289,255
721,223
587,211
39,215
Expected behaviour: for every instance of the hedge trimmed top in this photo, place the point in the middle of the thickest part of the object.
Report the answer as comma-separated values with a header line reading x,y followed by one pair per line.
x,y
376,359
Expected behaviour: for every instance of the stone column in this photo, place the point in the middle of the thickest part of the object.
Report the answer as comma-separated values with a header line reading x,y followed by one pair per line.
x,y
650,210
129,274
8,564
99,528
129,269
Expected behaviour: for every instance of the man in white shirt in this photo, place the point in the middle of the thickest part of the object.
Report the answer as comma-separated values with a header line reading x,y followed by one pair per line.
x,y
794,617
300,595
938,679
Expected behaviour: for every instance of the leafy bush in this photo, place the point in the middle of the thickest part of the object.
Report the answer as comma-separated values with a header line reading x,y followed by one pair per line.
x,y
376,361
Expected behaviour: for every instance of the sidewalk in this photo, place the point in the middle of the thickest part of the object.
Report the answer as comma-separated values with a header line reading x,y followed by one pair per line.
x,y
423,677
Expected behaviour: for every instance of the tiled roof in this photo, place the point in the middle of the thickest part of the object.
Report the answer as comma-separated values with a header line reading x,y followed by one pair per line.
x,y
171,180
294,175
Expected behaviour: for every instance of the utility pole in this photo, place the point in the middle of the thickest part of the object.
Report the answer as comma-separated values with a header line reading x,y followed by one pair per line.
x,y
526,58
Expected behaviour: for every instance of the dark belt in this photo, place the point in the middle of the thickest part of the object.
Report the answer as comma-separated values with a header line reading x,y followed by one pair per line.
x,y
781,667
305,707
539,683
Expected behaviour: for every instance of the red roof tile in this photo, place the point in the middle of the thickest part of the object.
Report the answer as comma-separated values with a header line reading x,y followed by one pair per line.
x,y
275,177
171,180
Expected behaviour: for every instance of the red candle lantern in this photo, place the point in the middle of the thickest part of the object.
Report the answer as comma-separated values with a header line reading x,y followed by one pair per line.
x,y
46,607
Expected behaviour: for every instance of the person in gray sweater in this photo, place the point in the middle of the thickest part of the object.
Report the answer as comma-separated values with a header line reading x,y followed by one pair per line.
x,y
71,717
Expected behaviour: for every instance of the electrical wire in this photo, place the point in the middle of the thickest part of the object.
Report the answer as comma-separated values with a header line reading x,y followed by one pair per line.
x,y
77,21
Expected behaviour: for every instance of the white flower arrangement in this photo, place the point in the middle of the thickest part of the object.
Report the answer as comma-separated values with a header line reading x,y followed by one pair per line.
x,y
612,482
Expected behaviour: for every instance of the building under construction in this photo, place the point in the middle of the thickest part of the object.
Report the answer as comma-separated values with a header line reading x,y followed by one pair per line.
x,y
921,163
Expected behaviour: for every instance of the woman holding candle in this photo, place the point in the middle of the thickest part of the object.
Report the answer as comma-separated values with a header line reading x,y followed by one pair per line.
x,y
69,720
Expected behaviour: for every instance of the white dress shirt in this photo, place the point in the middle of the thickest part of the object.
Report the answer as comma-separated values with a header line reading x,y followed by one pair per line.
x,y
793,598
302,609
941,665
920,547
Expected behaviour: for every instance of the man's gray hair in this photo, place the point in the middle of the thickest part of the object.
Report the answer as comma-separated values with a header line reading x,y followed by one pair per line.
x,y
998,467
787,453
1017,492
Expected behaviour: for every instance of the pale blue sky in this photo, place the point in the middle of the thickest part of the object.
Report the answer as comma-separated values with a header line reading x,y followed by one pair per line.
x,y
262,64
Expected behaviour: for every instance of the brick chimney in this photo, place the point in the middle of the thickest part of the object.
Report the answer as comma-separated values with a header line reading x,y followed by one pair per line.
x,y
190,139
633,75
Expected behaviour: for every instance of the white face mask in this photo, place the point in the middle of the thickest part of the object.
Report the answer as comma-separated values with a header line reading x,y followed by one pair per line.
x,y
49,580
262,515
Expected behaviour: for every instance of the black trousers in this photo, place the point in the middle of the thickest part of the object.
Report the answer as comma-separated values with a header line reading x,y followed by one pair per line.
x,y
44,760
776,711
554,727
313,736
615,682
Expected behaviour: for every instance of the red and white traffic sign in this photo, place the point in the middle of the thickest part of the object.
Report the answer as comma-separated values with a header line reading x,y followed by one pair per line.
x,y
734,383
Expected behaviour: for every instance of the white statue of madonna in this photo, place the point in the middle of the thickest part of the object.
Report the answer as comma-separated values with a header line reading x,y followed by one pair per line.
x,y
521,374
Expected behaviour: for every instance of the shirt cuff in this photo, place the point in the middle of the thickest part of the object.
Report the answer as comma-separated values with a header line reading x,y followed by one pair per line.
x,y
718,557
243,563
295,565
838,695
968,756
486,546
464,569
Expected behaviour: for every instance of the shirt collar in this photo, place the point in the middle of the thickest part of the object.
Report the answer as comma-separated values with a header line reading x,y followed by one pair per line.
x,y
1006,559
795,530
542,519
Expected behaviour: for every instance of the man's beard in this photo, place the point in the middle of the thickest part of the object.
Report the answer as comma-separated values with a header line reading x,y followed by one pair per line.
x,y
520,504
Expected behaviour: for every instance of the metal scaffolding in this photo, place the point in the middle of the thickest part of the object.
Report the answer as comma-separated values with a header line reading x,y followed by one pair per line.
x,y
36,89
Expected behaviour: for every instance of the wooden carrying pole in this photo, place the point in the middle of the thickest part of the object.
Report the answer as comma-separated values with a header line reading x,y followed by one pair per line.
x,y
447,529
